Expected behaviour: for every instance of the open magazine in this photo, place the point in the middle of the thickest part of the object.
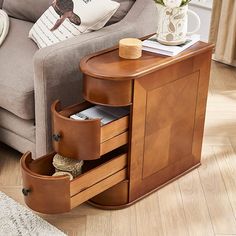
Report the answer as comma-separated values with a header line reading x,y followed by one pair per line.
x,y
106,114
152,45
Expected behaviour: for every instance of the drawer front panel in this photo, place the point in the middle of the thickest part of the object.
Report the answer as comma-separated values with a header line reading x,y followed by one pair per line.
x,y
105,92
98,188
85,139
52,195
117,127
114,143
77,139
98,174
45,194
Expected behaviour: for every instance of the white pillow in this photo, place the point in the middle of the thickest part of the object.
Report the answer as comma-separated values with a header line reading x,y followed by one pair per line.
x,y
93,15
4,25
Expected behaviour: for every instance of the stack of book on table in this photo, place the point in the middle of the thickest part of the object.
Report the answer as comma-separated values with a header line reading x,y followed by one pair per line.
x,y
152,45
106,114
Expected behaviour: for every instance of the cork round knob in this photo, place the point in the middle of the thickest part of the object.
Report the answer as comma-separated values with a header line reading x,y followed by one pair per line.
x,y
130,48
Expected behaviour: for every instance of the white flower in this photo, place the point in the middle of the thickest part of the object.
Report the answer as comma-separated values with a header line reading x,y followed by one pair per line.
x,y
172,3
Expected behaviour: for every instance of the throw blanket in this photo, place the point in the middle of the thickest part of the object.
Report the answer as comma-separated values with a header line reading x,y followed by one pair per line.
x,y
4,25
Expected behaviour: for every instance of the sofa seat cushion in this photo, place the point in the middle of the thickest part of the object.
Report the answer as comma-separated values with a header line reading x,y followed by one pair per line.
x,y
16,70
14,124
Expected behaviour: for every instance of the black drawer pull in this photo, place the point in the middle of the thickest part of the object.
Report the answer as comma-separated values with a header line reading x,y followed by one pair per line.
x,y
56,137
26,191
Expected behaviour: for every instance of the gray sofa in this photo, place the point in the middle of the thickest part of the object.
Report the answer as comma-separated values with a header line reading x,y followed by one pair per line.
x,y
31,79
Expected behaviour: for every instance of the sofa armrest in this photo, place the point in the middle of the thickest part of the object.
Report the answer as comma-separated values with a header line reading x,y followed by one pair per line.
x,y
56,68
61,59
57,76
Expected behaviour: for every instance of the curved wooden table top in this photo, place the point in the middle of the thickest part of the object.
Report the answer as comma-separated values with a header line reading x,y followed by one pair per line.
x,y
107,64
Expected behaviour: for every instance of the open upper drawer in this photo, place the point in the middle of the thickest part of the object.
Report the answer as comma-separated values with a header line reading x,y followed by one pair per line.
x,y
85,139
52,195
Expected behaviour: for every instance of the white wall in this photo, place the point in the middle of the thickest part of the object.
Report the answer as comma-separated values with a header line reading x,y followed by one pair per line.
x,y
203,9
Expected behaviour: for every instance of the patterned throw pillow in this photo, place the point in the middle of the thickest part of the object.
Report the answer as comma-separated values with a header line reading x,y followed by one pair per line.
x,y
69,18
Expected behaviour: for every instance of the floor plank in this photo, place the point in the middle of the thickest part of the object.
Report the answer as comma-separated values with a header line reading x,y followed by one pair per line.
x,y
99,224
195,207
124,222
10,174
227,164
172,212
225,234
149,217
220,209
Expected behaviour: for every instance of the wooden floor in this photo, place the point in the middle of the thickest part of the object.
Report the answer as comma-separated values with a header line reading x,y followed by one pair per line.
x,y
201,203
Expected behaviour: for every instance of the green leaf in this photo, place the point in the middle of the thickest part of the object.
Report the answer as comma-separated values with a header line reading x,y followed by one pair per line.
x,y
159,2
185,2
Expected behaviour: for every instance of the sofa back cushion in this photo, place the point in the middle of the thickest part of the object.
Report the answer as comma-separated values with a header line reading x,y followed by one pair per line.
x,y
125,6
29,10
1,2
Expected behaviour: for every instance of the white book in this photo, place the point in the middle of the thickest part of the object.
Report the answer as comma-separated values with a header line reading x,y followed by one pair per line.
x,y
152,45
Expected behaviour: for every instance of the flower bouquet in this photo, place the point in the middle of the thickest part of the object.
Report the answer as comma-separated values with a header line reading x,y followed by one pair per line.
x,y
172,3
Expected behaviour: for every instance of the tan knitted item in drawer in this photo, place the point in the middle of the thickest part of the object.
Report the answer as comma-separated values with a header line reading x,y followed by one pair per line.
x,y
60,173
66,164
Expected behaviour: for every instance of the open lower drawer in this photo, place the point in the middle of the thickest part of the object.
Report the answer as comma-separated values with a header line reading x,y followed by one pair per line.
x,y
51,195
85,139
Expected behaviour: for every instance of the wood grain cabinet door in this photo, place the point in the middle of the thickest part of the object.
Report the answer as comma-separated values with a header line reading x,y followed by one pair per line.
x,y
168,120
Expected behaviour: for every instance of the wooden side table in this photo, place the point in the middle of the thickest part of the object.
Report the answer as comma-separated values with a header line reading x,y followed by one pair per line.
x,y
133,156
168,98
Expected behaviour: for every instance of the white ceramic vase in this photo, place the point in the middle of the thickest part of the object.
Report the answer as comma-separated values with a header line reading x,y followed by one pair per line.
x,y
173,24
